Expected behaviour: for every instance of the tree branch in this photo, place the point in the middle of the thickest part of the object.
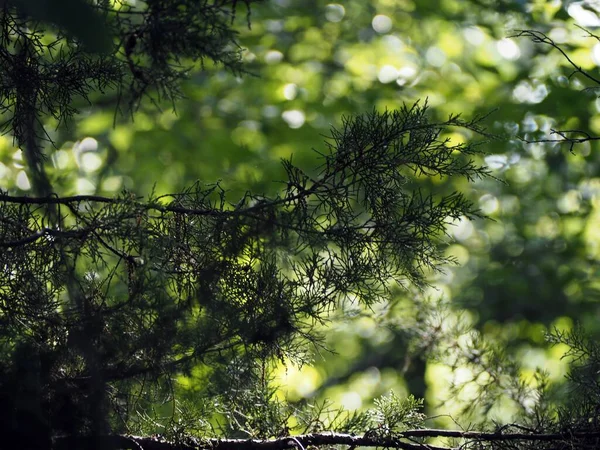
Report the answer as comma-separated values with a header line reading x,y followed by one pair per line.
x,y
566,136
302,442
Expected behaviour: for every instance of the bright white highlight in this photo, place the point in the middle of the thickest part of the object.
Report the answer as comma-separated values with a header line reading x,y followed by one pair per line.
x,y
406,74
474,35
90,162
290,91
294,118
85,186
489,204
351,401
334,12
22,181
18,159
88,144
596,54
387,74
462,229
508,49
524,92
381,23
584,17
273,57
435,56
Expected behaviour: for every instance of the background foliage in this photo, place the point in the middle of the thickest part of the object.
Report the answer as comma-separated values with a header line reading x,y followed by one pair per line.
x,y
529,271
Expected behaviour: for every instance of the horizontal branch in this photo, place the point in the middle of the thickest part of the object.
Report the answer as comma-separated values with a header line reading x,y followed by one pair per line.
x,y
406,440
153,206
53,200
44,232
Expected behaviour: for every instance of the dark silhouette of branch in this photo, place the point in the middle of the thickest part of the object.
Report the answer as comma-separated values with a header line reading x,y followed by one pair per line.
x,y
164,285
571,137
566,136
541,38
407,440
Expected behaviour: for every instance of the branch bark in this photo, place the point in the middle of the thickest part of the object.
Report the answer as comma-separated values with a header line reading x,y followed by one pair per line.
x,y
407,440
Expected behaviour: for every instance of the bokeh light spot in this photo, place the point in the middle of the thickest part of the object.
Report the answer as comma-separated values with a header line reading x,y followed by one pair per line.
x,y
406,74
462,229
18,159
22,181
435,56
496,162
334,12
526,92
273,57
351,401
583,16
489,204
381,23
85,186
294,118
88,144
474,35
387,74
290,91
569,202
90,162
508,49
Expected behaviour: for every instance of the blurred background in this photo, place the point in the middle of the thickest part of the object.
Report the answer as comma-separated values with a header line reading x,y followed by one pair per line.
x,y
530,268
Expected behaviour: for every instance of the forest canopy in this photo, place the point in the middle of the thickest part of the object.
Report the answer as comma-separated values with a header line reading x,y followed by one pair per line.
x,y
287,224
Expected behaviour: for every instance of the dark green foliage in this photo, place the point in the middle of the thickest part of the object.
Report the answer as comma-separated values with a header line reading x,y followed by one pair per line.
x,y
192,279
107,305
43,72
122,295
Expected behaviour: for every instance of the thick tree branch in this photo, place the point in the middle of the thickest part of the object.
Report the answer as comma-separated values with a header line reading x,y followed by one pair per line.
x,y
302,442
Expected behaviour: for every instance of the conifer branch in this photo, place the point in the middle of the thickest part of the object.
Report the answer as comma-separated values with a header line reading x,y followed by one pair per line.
x,y
407,440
